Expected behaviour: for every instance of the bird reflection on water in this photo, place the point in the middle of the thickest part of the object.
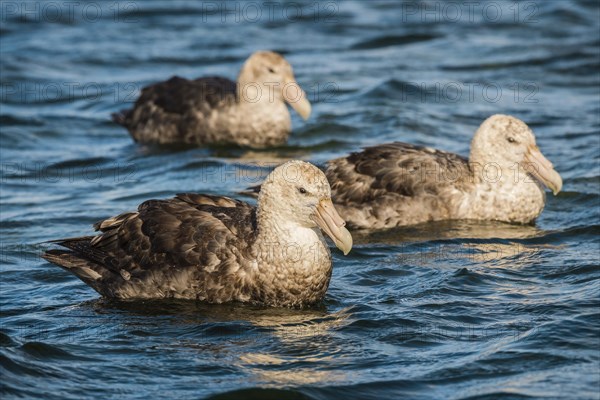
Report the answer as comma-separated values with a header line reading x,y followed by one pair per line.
x,y
237,334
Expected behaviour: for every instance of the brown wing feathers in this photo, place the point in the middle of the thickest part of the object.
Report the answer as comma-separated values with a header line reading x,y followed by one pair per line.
x,y
190,230
178,97
397,168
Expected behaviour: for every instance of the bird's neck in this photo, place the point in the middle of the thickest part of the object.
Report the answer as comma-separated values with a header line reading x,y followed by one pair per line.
x,y
259,94
502,190
478,161
488,169
292,263
281,240
250,91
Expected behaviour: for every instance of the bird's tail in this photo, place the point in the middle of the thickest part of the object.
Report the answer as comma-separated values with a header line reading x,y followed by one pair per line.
x,y
121,117
78,263
72,263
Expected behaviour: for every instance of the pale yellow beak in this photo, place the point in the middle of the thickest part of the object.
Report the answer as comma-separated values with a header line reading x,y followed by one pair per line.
x,y
333,225
296,97
542,169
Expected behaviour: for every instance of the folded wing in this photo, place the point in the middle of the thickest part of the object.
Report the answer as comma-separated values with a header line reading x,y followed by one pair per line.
x,y
168,248
397,182
168,111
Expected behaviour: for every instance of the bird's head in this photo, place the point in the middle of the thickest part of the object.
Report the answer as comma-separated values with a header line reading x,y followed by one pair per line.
x,y
300,193
267,76
509,143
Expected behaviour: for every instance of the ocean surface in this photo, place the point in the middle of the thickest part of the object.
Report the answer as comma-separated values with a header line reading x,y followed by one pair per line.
x,y
454,310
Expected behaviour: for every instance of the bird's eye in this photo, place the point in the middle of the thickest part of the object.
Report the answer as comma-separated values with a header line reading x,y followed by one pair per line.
x,y
511,140
271,70
302,190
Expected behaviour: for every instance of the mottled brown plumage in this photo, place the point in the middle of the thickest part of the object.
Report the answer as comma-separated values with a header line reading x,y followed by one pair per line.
x,y
216,249
215,110
396,184
400,184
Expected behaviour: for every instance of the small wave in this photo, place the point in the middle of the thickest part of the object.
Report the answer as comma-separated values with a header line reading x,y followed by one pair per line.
x,y
44,351
261,394
388,40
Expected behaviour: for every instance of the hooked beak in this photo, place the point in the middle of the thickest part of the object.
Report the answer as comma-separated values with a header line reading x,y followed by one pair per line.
x,y
542,169
296,97
333,225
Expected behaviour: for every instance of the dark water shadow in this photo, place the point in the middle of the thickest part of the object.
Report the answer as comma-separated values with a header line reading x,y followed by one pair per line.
x,y
448,230
190,312
234,152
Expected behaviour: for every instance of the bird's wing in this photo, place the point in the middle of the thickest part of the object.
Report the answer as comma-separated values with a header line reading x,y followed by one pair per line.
x,y
395,168
191,231
398,184
178,97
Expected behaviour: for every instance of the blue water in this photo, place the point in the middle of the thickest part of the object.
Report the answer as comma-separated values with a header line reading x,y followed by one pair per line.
x,y
451,310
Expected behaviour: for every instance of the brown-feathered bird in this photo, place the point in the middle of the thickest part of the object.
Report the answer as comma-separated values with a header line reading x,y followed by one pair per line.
x,y
217,249
399,184
214,110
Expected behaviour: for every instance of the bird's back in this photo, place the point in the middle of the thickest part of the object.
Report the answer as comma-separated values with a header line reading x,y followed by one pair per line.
x,y
178,110
190,246
398,184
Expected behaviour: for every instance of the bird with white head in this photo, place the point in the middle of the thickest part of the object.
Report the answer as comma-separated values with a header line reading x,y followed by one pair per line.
x,y
400,184
217,249
212,110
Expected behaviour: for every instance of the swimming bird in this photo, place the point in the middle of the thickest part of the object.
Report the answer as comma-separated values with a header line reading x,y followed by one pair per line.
x,y
217,249
399,184
214,110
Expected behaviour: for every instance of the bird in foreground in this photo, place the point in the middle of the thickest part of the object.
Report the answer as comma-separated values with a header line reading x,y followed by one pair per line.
x,y
251,112
217,249
400,184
